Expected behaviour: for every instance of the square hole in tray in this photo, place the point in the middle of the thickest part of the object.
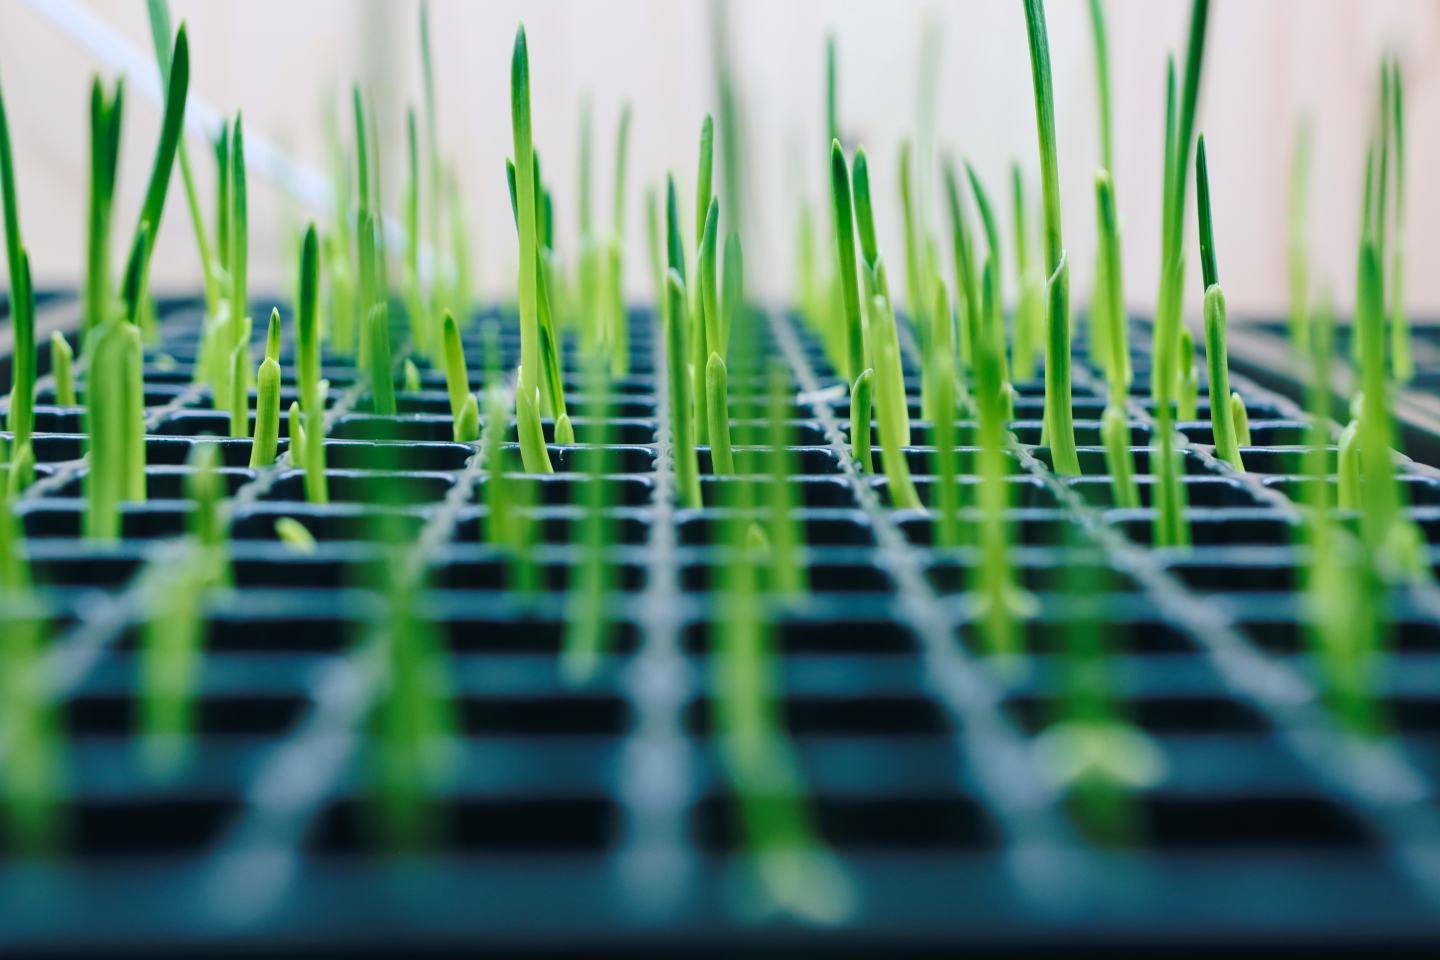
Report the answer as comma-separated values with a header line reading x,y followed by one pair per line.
x,y
146,827
479,825
368,487
822,528
918,823
862,630
1212,528
1206,491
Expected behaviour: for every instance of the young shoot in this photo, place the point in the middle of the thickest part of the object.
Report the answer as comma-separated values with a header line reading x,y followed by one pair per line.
x,y
21,418
296,537
946,499
687,471
717,405
1058,419
105,116
588,625
267,400
1107,311
1222,420
310,455
382,368
1402,360
62,369
527,386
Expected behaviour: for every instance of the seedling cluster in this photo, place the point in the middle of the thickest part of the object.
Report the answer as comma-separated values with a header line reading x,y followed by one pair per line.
x,y
708,586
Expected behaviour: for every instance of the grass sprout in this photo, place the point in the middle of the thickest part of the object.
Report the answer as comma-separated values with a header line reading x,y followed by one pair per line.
x,y
311,457
296,537
1222,419
21,416
267,401
527,400
1058,417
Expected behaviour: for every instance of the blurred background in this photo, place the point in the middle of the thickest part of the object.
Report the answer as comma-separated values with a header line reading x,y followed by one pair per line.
x,y
282,61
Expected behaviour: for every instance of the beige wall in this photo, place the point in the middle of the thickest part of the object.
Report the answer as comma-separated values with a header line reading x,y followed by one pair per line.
x,y
276,60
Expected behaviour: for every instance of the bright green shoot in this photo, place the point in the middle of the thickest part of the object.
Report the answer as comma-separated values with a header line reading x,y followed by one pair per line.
x,y
894,433
1058,418
917,273
1107,310
311,457
854,357
62,369
1222,421
687,472
105,116
382,368
588,625
160,34
457,376
1100,311
267,401
699,334
22,295
527,401
716,374
415,307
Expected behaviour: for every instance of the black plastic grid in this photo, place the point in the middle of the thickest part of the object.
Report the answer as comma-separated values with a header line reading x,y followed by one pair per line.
x,y
600,815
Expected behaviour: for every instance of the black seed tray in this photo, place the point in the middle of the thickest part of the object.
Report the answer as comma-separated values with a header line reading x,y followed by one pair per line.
x,y
600,816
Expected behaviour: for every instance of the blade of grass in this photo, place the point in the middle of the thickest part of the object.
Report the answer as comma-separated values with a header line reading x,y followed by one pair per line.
x,y
1222,423
532,443
267,403
687,474
1057,345
307,349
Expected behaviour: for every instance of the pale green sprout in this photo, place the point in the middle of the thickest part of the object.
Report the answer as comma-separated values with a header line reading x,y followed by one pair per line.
x,y
382,375
267,400
946,502
295,536
62,369
105,118
1107,311
410,376
699,347
1187,401
21,417
677,327
527,386
415,308
1222,420
716,374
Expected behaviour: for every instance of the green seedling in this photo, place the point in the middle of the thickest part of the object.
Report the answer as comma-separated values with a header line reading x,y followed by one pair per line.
x,y
717,405
14,566
105,120
589,628
382,368
310,456
1217,359
527,387
131,394
410,376
457,376
893,429
1299,241
32,767
1340,624
854,356
1101,330
295,536
1107,312
416,717
788,574
796,874
1187,401
174,630
160,34
619,331
1059,424
699,347
21,417
1180,132
861,402
1241,418
687,471
946,501
267,402
1092,750
236,348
